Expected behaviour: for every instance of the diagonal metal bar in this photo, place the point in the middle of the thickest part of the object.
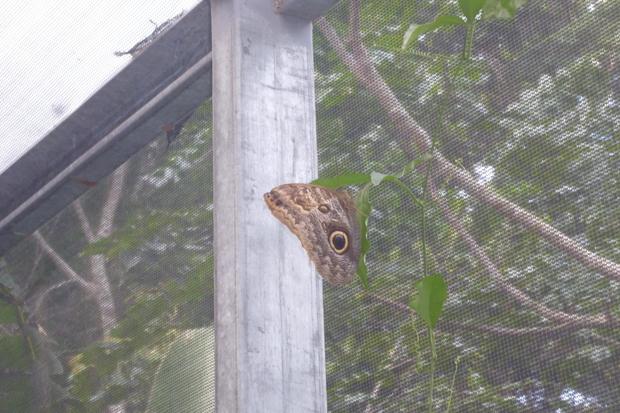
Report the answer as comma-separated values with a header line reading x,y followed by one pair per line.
x,y
163,84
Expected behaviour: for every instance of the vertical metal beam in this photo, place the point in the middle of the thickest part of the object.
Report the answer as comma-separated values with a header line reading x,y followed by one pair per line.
x,y
269,311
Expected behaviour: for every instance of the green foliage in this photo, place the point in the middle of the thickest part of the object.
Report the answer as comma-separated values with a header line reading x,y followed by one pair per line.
x,y
185,379
501,9
140,340
339,181
143,227
364,208
431,292
471,8
163,293
416,30
492,9
534,113
427,301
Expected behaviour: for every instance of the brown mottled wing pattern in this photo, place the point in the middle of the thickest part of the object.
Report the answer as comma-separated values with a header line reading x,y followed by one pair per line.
x,y
325,222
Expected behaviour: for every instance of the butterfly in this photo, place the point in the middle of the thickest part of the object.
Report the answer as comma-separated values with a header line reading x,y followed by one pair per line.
x,y
325,221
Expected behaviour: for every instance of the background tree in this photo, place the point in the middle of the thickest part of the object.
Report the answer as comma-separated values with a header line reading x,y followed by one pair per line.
x,y
111,296
532,316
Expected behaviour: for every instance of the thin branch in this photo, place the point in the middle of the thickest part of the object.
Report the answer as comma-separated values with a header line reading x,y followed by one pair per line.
x,y
83,220
361,65
32,280
68,272
335,42
113,198
486,195
374,395
607,340
497,276
41,298
495,330
355,32
410,131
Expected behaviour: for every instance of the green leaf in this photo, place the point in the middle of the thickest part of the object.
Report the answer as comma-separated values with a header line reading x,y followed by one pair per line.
x,y
190,361
364,207
502,9
139,315
408,36
414,163
376,178
416,30
431,293
8,313
338,181
471,8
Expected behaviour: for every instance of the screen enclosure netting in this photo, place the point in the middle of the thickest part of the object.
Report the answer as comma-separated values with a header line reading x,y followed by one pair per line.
x,y
115,293
109,306
532,112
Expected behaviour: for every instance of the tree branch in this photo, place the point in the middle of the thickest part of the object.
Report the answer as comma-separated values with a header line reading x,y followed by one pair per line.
x,y
355,33
83,220
68,272
495,330
484,194
41,298
115,192
374,395
367,75
497,276
408,131
606,340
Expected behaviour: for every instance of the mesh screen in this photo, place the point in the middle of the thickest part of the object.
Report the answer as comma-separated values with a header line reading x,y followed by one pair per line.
x,y
533,113
58,54
108,307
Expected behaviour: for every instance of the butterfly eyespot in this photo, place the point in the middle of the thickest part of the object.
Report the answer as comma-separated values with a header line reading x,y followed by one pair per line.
x,y
323,208
339,241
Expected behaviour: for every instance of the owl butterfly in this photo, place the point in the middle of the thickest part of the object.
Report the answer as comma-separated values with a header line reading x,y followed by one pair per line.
x,y
325,221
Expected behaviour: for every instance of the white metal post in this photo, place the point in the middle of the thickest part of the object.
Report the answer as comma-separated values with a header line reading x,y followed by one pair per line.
x,y
269,310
